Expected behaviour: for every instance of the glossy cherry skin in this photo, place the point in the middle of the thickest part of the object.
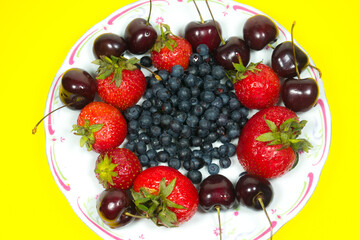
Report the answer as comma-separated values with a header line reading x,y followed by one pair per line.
x,y
299,95
259,31
109,44
77,87
139,36
249,187
216,190
111,206
227,54
203,33
282,60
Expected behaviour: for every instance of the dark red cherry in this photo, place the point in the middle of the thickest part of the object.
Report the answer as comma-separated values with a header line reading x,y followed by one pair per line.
x,y
250,188
198,32
259,31
216,190
140,36
114,207
299,95
228,53
282,60
109,44
77,89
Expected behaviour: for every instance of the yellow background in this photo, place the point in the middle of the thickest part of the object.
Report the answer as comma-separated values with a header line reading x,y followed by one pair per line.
x,y
37,35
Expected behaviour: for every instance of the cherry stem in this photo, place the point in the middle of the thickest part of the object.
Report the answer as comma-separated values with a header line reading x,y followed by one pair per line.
x,y
201,19
217,207
148,69
293,48
148,19
260,199
35,128
134,216
317,69
216,26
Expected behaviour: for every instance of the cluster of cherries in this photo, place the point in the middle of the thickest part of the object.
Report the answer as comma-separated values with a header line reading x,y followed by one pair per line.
x,y
216,192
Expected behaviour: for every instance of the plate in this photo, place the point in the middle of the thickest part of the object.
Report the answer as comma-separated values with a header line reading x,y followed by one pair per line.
x,y
73,167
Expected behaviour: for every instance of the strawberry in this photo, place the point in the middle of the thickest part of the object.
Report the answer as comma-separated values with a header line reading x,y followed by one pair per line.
x,y
256,86
170,50
101,126
165,196
119,82
117,168
268,144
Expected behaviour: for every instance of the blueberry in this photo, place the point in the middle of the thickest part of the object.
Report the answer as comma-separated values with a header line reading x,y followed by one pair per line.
x,y
165,120
210,85
202,49
156,118
215,153
197,153
192,121
190,80
218,72
196,141
130,145
223,150
229,84
195,91
184,154
140,147
193,70
202,133
186,165
224,139
233,132
213,168
155,131
193,101
165,140
152,81
225,162
176,126
174,163
144,138
133,126
236,115
132,112
231,150
207,96
212,113
184,106
167,108
180,116
225,98
195,176
155,144
146,61
212,137
222,120
204,123
162,156
204,69
184,93
146,104
196,163
153,109
242,122
148,94
144,160
132,136
174,84
218,102
234,104
163,94
151,154
198,110
244,111
177,71
183,143
206,147
174,100
195,59
153,163
207,159
164,75
186,132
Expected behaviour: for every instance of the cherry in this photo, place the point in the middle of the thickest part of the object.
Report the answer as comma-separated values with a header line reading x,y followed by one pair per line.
x,y
140,35
299,94
216,192
77,89
255,192
260,31
203,32
115,208
109,44
231,51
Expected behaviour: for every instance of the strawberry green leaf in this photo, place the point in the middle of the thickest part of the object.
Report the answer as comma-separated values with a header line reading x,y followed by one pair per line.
x,y
87,133
105,170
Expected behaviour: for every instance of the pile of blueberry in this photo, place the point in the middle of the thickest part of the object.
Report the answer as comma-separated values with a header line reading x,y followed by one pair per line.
x,y
188,119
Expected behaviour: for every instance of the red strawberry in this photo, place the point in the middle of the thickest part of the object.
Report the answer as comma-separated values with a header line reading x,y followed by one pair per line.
x,y
101,126
119,82
170,50
165,196
268,143
117,168
256,86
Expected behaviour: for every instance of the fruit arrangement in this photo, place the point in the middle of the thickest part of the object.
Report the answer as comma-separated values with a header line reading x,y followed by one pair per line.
x,y
174,112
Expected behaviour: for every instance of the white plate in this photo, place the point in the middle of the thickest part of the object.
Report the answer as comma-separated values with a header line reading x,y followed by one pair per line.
x,y
73,167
